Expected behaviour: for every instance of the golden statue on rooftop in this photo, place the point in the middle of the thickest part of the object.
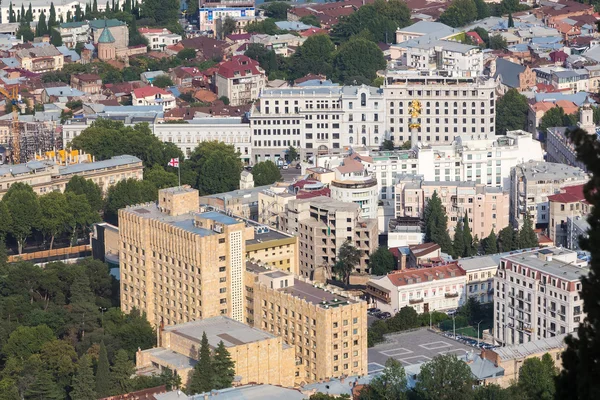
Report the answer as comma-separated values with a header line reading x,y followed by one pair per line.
x,y
415,113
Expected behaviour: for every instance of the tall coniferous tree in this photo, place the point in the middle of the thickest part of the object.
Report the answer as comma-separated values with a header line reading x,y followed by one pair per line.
x,y
95,6
11,13
22,15
83,381
527,236
459,240
202,377
29,14
579,378
52,18
103,385
436,224
223,367
468,237
490,245
42,28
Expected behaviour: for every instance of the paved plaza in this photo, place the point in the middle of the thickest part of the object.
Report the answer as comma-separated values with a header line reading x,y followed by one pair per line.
x,y
413,347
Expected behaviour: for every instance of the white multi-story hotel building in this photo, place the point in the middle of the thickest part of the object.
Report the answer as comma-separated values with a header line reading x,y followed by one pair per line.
x,y
451,106
537,295
426,289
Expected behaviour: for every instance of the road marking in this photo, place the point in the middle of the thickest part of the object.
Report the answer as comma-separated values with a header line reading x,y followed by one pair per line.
x,y
396,352
462,351
375,369
423,358
435,345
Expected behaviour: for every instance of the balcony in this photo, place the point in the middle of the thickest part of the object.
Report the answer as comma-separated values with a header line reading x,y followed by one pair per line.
x,y
415,301
451,295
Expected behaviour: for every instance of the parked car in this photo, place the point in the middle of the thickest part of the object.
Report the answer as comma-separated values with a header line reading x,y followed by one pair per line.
x,y
385,315
285,166
298,166
373,310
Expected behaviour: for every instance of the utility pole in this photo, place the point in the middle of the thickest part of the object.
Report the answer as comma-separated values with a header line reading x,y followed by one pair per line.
x,y
478,332
454,325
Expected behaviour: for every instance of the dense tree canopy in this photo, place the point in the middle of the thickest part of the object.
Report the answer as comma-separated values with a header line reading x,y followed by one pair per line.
x,y
315,56
348,257
266,173
218,167
511,112
460,13
382,261
436,224
380,20
358,58
556,117
125,193
445,378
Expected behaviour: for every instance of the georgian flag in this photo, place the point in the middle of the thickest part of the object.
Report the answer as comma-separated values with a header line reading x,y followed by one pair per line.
x,y
174,162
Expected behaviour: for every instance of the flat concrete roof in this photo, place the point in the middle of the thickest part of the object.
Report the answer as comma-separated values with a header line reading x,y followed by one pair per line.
x,y
231,332
315,295
557,268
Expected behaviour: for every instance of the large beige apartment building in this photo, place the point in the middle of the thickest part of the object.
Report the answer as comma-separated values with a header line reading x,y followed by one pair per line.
x,y
240,80
487,207
259,357
47,176
480,273
327,329
322,225
537,295
180,261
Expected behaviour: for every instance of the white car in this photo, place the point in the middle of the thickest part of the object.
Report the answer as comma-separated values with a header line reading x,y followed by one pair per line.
x,y
285,166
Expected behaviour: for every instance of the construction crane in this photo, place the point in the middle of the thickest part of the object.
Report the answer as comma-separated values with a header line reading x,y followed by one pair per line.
x,y
13,98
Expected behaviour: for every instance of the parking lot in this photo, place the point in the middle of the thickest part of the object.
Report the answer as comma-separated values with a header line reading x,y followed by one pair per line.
x,y
413,347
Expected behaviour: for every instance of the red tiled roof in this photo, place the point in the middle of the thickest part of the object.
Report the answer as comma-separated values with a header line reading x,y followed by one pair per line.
x,y
569,194
475,36
313,31
239,36
350,165
307,194
241,65
149,91
401,278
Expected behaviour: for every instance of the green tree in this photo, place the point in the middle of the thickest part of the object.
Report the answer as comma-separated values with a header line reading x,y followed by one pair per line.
x,y
348,257
11,14
202,378
483,34
55,38
406,318
358,57
5,221
223,367
121,372
436,224
42,28
266,173
229,26
24,31
490,245
162,81
460,13
470,250
387,145
29,14
218,167
511,23
53,215
52,22
507,239
536,378
492,392
25,341
458,245
267,59
315,56
527,236
103,386
556,117
266,26
59,357
87,187
160,178
126,193
292,154
382,261
8,387
24,207
579,379
276,10
511,112
187,54
391,384
163,12
445,378
379,20
310,20
497,42
483,10
44,388
80,213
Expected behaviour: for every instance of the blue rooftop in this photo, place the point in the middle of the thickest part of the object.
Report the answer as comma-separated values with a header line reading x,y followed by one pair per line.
x,y
218,217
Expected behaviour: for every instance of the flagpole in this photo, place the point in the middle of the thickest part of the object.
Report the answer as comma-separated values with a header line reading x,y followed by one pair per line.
x,y
179,173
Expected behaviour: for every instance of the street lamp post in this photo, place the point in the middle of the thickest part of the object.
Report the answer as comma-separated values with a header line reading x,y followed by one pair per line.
x,y
454,325
478,332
